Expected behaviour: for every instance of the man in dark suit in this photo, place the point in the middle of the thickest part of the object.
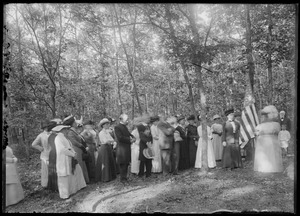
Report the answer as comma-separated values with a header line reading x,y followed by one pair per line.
x,y
192,139
284,120
230,140
124,139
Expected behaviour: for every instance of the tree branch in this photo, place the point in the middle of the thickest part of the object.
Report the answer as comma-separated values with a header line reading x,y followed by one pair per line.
x,y
42,99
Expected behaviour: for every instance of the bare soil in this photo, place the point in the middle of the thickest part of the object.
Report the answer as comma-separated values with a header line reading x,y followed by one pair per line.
x,y
190,192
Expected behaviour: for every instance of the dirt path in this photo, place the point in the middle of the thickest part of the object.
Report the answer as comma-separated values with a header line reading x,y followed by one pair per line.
x,y
193,192
189,192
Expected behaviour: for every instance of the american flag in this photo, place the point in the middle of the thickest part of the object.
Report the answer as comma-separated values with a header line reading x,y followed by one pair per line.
x,y
249,120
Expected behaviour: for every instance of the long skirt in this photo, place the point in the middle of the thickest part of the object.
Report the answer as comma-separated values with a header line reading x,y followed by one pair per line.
x,y
268,156
14,193
193,151
156,162
210,155
91,164
44,173
82,164
52,174
106,165
135,163
13,190
232,156
68,185
217,146
184,158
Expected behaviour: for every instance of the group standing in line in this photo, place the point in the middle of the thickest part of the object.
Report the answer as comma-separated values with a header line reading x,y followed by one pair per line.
x,y
74,154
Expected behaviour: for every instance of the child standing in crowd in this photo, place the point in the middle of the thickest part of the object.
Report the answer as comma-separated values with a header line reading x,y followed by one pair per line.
x,y
284,137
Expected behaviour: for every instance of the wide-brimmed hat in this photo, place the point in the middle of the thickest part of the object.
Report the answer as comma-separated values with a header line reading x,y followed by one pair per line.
x,y
191,117
180,117
79,122
52,124
89,122
111,119
216,117
148,153
44,124
103,121
172,120
154,118
69,120
229,111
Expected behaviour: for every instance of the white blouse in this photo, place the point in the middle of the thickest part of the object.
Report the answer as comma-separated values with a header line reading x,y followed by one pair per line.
x,y
105,137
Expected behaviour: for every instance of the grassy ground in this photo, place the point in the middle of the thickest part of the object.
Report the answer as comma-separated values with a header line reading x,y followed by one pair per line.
x,y
238,190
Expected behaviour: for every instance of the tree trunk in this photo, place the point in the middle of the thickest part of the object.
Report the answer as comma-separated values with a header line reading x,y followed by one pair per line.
x,y
249,49
269,51
201,92
180,59
117,69
130,62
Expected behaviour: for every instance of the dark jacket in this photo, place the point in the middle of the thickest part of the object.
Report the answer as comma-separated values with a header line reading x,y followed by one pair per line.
x,y
143,141
285,121
191,133
123,147
228,135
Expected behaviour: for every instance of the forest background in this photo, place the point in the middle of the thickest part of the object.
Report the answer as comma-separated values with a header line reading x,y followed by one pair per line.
x,y
98,60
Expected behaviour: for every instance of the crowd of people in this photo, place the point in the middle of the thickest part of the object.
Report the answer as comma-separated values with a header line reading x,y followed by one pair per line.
x,y
76,153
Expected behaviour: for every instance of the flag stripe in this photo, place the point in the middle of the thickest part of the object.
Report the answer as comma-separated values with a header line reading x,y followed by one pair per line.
x,y
252,107
255,115
249,120
249,117
243,135
244,128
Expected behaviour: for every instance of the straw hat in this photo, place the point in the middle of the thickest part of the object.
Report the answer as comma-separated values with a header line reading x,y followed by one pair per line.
x,y
216,117
103,121
148,153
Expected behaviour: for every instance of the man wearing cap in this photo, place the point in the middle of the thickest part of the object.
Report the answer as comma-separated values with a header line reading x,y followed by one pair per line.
x,y
217,130
192,139
230,139
41,143
124,139
284,120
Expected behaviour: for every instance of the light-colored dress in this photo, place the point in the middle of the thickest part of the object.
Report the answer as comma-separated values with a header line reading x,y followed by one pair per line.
x,y
41,143
210,151
268,156
13,189
217,130
284,137
135,150
69,180
157,161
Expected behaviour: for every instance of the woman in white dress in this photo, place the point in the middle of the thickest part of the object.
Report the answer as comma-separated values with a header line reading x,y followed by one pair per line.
x,y
157,161
268,155
41,143
135,149
14,192
68,172
210,151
